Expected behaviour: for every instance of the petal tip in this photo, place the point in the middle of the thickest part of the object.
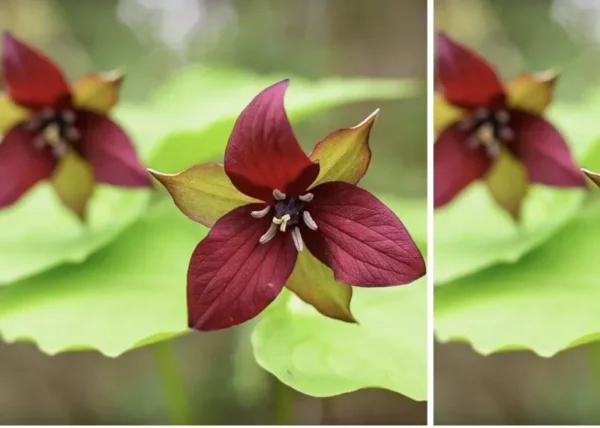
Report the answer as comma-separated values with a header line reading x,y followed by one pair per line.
x,y
9,42
160,177
595,177
367,122
443,38
350,319
282,83
115,76
550,76
8,38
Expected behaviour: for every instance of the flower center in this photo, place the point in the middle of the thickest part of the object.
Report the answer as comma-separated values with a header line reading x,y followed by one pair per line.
x,y
288,214
488,129
55,129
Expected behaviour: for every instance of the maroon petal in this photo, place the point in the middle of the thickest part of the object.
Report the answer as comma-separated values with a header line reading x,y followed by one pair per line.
x,y
263,154
109,150
232,277
360,239
544,152
31,78
455,165
465,78
21,165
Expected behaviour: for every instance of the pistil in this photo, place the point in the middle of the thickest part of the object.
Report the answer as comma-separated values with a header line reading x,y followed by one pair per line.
x,y
488,129
288,214
54,128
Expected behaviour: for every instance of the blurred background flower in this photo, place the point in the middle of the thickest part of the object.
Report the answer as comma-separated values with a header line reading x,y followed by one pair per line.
x,y
518,387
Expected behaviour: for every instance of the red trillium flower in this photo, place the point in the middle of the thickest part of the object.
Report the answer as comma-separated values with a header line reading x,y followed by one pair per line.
x,y
60,132
494,131
282,218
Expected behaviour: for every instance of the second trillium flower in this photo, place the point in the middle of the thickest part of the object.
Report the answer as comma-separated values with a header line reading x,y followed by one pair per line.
x,y
61,132
494,131
282,218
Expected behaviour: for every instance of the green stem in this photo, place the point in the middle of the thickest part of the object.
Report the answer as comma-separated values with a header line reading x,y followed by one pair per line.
x,y
172,383
284,404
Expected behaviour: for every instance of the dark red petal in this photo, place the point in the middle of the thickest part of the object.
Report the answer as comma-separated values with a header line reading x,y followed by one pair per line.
x,y
109,150
361,239
464,78
544,152
232,277
31,78
21,165
263,154
455,165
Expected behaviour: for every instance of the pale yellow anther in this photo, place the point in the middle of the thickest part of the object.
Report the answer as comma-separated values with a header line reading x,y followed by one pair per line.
x,y
282,222
52,134
485,134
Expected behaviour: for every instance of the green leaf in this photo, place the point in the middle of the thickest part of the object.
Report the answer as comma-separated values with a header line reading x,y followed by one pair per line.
x,y
191,116
472,233
39,232
321,357
546,303
128,294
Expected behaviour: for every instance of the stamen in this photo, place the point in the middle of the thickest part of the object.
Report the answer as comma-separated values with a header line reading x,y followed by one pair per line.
x,y
68,116
306,198
492,149
51,133
33,124
59,149
506,133
47,113
279,195
466,124
482,113
473,142
39,142
270,234
72,134
261,213
485,134
502,116
297,238
309,220
282,222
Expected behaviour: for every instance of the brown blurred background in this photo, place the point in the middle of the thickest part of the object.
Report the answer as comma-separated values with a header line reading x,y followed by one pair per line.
x,y
152,38
520,388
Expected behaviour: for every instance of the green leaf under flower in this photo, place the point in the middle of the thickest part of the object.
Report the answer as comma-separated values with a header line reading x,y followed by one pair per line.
x,y
130,293
39,233
547,302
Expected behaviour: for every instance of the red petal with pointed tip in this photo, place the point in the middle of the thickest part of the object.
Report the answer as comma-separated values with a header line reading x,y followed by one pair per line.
x,y
361,239
109,150
465,78
455,165
544,151
263,154
21,165
232,277
31,78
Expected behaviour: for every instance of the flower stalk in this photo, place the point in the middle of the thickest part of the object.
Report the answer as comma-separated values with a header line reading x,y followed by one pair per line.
x,y
173,385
